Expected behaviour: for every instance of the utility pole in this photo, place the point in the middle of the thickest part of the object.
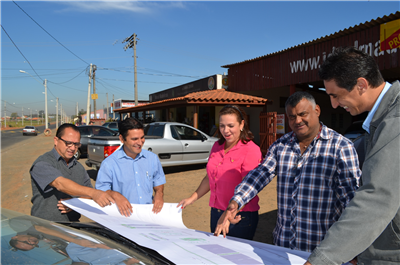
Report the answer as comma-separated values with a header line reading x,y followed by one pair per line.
x,y
113,108
94,68
57,114
5,115
132,41
61,113
77,109
88,99
108,113
31,115
45,108
22,116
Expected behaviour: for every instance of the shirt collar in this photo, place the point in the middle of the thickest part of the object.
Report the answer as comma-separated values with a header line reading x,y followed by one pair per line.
x,y
371,114
121,154
58,157
323,133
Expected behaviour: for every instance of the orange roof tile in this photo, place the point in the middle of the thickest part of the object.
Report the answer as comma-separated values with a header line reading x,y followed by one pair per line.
x,y
210,97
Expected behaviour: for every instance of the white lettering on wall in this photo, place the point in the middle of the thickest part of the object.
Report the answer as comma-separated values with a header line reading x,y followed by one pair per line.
x,y
313,63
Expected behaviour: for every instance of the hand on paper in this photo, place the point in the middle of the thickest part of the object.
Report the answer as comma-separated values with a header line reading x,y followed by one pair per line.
x,y
62,207
228,217
185,202
158,200
102,198
124,206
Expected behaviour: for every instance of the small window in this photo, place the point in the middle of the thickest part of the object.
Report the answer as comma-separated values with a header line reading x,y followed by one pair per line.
x,y
174,133
84,131
155,130
113,126
187,133
105,133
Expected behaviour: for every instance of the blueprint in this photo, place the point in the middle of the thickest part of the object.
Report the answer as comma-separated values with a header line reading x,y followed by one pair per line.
x,y
165,233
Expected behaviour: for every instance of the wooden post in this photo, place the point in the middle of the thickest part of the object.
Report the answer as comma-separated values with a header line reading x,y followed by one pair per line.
x,y
195,117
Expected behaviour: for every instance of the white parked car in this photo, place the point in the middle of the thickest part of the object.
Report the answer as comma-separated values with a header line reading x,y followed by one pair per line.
x,y
175,144
29,130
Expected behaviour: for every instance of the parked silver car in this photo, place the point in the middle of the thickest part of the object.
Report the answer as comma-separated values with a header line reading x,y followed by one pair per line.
x,y
175,144
30,130
88,131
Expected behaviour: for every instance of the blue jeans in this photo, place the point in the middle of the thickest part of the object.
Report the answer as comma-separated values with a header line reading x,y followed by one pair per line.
x,y
245,229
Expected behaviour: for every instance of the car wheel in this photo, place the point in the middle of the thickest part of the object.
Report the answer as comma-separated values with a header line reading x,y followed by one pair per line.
x,y
77,154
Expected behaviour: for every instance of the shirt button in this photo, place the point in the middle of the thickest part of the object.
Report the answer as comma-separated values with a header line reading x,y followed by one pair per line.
x,y
136,172
140,197
138,184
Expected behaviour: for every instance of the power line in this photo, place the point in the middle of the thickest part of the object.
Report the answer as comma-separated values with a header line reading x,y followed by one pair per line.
x,y
50,34
20,52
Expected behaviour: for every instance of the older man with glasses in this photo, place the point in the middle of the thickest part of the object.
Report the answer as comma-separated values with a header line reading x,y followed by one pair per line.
x,y
57,176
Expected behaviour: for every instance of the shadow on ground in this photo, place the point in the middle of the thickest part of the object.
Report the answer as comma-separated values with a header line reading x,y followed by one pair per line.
x,y
92,174
177,169
167,170
266,224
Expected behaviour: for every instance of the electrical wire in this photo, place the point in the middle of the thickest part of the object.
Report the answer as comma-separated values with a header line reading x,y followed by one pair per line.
x,y
21,52
50,34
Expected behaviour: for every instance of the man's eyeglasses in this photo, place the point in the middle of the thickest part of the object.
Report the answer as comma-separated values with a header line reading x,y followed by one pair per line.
x,y
69,144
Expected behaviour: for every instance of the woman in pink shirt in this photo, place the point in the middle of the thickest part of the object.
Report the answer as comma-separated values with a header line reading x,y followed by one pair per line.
x,y
231,158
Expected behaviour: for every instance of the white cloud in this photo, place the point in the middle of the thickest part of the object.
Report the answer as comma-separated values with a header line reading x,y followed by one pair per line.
x,y
125,6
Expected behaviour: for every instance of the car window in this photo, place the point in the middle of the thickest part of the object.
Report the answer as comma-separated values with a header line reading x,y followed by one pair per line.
x,y
57,244
187,133
174,133
155,130
103,132
84,131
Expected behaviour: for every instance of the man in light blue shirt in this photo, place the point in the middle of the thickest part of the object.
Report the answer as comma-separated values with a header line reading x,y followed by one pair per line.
x,y
131,171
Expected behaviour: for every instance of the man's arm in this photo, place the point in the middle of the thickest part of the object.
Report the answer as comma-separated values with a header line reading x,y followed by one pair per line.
x,y
349,174
158,200
74,189
104,182
370,211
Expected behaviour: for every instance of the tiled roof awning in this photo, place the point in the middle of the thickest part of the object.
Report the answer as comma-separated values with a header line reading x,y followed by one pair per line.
x,y
209,97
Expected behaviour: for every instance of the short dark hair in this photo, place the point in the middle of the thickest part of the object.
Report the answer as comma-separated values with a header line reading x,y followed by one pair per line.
x,y
61,129
13,243
346,64
246,135
296,97
129,124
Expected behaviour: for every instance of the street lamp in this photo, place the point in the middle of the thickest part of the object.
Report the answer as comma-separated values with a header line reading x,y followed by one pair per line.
x,y
31,115
45,95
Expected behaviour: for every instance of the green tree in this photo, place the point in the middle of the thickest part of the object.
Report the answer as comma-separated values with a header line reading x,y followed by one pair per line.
x,y
14,115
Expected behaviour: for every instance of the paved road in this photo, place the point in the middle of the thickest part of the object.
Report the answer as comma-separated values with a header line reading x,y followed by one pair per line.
x,y
10,137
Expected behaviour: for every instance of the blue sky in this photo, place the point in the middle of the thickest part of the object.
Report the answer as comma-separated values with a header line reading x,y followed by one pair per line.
x,y
179,42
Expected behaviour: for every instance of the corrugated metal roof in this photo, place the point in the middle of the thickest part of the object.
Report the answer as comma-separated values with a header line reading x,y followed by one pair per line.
x,y
217,97
356,28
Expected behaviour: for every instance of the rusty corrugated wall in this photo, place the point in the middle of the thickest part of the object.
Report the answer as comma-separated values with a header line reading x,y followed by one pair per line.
x,y
299,65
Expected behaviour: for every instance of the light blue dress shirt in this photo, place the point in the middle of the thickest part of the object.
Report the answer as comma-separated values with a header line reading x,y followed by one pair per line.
x,y
133,178
371,114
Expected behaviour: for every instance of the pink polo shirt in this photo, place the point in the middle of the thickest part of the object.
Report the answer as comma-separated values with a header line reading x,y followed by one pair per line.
x,y
226,171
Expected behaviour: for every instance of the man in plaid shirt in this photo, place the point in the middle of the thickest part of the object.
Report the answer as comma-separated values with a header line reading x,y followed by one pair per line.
x,y
318,174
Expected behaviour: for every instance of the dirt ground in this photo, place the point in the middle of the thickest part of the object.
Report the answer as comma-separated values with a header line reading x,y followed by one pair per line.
x,y
16,189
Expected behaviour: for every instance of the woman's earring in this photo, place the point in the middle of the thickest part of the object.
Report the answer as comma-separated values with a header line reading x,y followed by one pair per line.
x,y
241,130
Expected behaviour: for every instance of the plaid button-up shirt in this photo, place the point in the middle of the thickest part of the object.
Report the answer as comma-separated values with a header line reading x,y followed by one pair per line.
x,y
313,188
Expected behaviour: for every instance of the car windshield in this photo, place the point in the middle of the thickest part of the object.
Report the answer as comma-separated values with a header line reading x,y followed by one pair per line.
x,y
29,127
30,240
